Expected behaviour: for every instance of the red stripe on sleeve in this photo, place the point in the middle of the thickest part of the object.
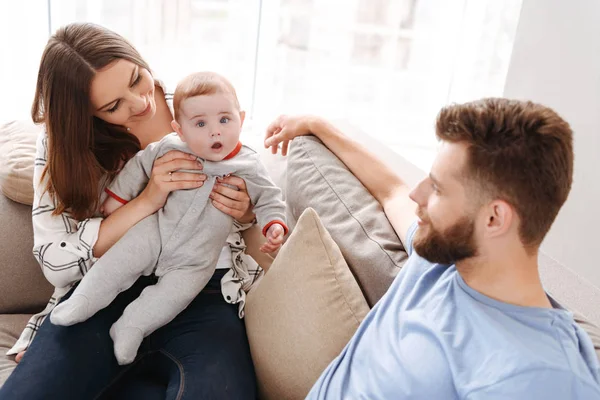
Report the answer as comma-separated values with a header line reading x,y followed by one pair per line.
x,y
114,196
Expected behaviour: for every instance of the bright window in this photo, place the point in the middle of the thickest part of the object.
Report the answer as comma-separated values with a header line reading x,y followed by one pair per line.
x,y
388,66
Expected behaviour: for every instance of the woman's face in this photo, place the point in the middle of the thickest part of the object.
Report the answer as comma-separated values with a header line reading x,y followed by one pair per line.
x,y
122,93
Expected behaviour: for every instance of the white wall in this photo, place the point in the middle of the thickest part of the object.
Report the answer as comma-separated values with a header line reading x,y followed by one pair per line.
x,y
556,61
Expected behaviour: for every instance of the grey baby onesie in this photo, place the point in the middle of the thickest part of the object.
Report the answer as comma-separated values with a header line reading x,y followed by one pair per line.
x,y
180,243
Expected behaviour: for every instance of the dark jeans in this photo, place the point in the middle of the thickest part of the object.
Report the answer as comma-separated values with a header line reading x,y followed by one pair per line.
x,y
202,354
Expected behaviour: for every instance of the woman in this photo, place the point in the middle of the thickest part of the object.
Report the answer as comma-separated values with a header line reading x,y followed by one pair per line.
x,y
100,105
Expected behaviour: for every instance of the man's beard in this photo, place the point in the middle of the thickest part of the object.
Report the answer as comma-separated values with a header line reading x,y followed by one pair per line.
x,y
448,247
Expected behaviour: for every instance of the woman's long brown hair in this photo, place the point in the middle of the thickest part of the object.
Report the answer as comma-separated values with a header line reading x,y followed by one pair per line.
x,y
82,149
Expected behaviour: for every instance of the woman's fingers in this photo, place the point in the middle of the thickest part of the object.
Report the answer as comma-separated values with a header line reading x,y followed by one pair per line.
x,y
178,185
183,176
234,181
235,203
235,213
229,203
231,198
230,193
176,165
175,160
173,155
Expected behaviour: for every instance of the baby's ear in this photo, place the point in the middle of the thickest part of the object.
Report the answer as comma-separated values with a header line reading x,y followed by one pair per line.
x,y
177,128
242,117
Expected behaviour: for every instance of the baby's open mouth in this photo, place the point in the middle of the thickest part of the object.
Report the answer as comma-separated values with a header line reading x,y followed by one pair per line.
x,y
216,146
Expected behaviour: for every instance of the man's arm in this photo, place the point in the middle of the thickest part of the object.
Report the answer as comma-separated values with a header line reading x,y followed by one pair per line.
x,y
379,179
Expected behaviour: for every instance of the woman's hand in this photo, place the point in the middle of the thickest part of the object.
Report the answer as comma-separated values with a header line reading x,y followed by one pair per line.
x,y
165,179
284,129
233,201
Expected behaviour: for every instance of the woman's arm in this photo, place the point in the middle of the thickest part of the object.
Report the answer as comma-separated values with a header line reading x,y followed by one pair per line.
x,y
380,180
162,181
119,222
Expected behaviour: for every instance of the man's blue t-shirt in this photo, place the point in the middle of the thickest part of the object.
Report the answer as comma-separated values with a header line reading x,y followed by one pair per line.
x,y
433,337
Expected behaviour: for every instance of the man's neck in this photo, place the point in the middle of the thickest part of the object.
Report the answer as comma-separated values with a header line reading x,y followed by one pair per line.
x,y
511,278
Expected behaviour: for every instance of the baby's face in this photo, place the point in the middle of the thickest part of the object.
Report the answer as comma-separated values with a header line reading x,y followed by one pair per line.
x,y
211,125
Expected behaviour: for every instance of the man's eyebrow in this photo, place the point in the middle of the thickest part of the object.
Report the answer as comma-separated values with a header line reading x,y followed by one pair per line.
x,y
135,68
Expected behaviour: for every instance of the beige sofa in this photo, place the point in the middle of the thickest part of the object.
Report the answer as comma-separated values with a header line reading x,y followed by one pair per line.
x,y
338,261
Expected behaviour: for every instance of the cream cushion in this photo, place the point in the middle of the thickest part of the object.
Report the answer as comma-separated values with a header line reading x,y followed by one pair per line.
x,y
303,312
17,154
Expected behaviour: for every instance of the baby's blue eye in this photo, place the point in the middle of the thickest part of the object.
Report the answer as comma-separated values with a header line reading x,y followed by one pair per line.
x,y
224,120
200,124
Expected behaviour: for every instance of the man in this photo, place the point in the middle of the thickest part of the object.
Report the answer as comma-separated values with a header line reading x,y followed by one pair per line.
x,y
467,317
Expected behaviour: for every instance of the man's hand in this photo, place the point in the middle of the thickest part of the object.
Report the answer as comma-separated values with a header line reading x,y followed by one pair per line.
x,y
284,129
109,206
274,236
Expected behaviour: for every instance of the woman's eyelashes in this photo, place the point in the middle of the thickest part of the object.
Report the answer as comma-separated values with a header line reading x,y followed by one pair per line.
x,y
137,80
116,106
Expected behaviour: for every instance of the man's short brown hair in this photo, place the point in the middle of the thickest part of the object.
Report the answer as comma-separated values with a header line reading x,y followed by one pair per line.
x,y
518,151
201,83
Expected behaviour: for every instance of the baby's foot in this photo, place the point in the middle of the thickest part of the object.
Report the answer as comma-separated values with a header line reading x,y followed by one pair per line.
x,y
71,311
126,341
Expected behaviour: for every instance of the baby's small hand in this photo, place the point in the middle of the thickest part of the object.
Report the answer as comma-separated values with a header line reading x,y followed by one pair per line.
x,y
109,206
274,236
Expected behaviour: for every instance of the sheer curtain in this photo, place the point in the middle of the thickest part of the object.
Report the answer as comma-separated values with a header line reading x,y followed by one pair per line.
x,y
385,65
178,37
23,35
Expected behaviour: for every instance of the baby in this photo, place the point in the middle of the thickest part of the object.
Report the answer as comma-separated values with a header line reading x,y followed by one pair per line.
x,y
180,243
